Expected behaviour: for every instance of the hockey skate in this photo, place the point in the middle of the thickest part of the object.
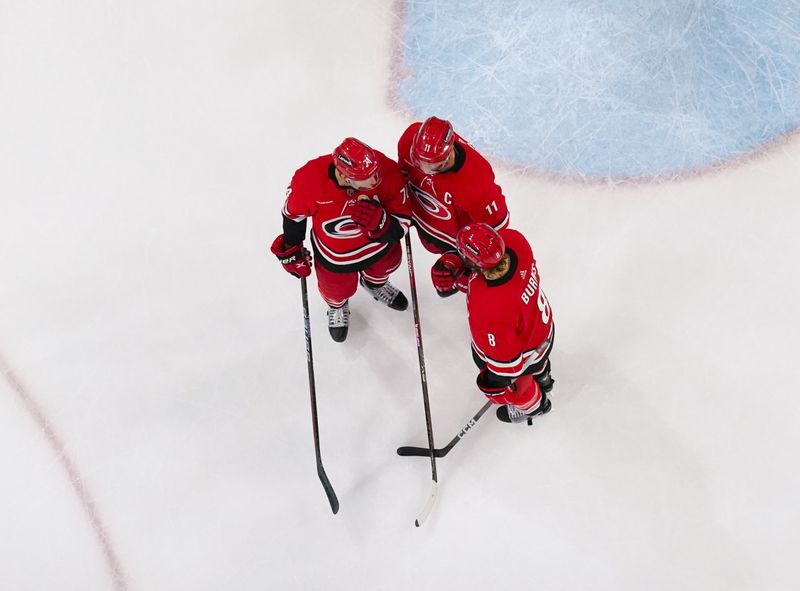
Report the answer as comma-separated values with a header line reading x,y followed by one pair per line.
x,y
387,294
545,381
338,322
509,413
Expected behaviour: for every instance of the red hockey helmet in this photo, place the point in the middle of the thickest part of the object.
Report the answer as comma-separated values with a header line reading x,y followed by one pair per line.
x,y
432,142
356,161
481,245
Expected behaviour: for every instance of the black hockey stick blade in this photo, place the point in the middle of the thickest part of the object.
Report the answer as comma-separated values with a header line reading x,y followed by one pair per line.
x,y
423,452
326,484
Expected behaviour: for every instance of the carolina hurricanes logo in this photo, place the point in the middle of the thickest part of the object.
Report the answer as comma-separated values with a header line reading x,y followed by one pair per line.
x,y
430,204
341,228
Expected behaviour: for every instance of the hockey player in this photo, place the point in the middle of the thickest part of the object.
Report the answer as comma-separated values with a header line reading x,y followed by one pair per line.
x,y
510,321
356,198
451,185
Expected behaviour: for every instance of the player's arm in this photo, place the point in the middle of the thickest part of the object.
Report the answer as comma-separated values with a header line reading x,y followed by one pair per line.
x,y
288,246
404,147
489,204
499,348
450,274
398,203
297,208
499,359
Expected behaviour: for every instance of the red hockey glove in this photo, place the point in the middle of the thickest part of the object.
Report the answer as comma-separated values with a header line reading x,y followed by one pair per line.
x,y
449,274
295,259
371,216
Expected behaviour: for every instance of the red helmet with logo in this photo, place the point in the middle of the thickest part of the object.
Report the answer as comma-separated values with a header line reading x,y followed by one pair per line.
x,y
481,245
433,141
355,160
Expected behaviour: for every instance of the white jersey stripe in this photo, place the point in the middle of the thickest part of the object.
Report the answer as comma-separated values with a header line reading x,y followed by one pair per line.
x,y
295,218
436,233
348,258
526,358
503,223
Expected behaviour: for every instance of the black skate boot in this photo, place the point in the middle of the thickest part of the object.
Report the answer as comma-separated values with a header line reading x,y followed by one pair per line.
x,y
387,294
338,322
511,414
545,381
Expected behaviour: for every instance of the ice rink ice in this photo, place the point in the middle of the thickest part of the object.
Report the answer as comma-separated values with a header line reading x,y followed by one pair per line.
x,y
628,88
155,431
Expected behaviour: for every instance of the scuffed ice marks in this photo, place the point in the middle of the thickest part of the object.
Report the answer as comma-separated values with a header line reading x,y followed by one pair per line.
x,y
607,89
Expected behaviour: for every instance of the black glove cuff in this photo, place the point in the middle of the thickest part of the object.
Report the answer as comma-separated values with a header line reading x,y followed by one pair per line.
x,y
491,381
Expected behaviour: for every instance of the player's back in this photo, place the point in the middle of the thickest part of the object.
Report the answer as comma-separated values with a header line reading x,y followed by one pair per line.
x,y
515,302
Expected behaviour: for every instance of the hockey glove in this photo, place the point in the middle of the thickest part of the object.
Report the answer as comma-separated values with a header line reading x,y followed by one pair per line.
x,y
372,217
295,259
492,385
449,274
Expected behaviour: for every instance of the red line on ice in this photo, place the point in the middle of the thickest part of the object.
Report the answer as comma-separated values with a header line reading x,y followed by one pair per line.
x,y
57,446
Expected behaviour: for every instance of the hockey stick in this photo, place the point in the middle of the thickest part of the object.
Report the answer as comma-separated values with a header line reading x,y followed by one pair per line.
x,y
326,484
426,510
410,450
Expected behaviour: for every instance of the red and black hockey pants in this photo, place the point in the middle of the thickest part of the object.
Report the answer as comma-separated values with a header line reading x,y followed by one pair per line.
x,y
336,288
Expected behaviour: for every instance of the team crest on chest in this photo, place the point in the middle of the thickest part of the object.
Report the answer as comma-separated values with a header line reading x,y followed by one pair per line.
x,y
430,204
341,228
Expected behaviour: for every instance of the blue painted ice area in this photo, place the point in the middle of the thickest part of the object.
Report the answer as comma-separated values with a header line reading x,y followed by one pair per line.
x,y
607,89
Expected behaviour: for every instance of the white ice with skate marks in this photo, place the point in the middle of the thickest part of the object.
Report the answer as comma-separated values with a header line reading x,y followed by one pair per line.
x,y
145,155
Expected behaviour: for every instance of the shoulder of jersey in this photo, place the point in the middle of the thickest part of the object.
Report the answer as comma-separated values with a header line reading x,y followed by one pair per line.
x,y
404,144
410,131
390,172
520,245
388,165
512,237
483,294
475,162
315,166
314,171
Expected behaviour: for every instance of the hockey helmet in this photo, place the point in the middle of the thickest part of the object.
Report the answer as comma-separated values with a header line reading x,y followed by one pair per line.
x,y
432,142
356,161
480,245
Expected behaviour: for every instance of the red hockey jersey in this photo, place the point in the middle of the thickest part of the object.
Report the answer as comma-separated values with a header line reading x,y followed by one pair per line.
x,y
510,317
443,203
340,244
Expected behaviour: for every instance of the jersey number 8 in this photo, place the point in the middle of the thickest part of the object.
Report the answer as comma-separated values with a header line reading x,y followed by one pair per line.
x,y
544,307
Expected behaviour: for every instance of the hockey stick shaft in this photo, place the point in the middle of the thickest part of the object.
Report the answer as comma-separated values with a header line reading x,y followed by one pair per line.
x,y
424,381
410,450
323,477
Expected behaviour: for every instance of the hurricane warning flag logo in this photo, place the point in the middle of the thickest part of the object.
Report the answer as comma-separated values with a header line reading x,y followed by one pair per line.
x,y
341,227
430,204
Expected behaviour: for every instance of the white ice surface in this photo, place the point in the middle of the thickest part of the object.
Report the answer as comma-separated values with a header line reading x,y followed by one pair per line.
x,y
144,151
